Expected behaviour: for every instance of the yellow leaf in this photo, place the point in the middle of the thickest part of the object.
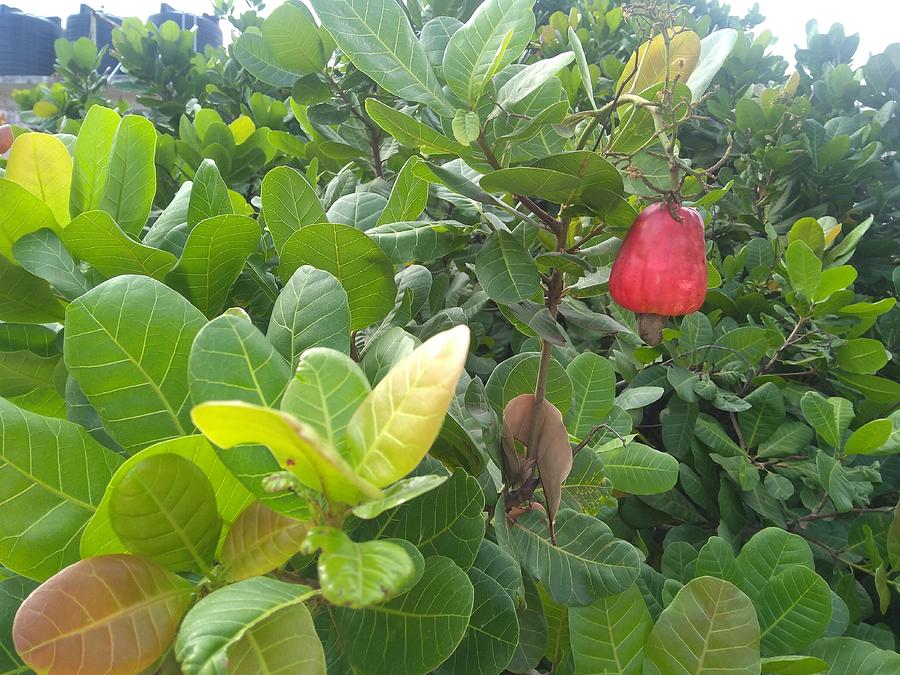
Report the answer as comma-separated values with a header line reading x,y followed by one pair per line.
x,y
41,164
242,129
684,52
832,233
395,426
44,109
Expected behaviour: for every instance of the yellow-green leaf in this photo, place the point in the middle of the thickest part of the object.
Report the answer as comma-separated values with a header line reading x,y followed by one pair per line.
x,y
647,65
41,164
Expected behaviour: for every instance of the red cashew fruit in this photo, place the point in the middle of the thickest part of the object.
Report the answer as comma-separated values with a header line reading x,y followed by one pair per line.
x,y
6,138
660,270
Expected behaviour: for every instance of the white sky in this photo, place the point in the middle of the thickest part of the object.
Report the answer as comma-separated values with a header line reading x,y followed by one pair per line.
x,y
875,20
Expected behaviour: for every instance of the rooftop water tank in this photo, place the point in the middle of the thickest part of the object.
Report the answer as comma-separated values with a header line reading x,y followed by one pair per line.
x,y
26,42
97,26
208,31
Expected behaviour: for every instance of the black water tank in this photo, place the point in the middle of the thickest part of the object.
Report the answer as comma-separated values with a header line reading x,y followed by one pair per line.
x,y
26,42
208,31
80,25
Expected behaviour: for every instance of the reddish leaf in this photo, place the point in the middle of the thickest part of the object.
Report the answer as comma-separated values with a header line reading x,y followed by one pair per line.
x,y
109,614
259,541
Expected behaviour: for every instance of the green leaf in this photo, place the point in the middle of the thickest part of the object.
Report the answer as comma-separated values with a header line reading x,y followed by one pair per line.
x,y
466,126
173,217
830,417
506,270
224,619
769,552
533,76
42,165
22,213
849,656
608,635
494,36
285,641
411,133
790,438
231,497
421,241
869,437
414,632
131,184
408,196
132,333
95,238
311,311
743,349
863,356
793,665
376,36
231,360
587,562
256,56
32,450
581,60
395,426
552,114
399,493
499,565
294,39
446,521
289,202
26,298
833,280
716,559
296,445
877,389
517,375
13,592
359,210
163,508
804,268
794,608
709,627
532,631
354,259
761,422
359,575
43,254
493,632
92,154
639,469
209,195
214,255
108,613
259,541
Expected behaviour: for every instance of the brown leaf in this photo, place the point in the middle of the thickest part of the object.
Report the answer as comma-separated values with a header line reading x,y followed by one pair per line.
x,y
554,454
109,614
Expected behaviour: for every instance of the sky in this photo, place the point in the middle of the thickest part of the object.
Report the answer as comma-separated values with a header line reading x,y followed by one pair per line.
x,y
875,20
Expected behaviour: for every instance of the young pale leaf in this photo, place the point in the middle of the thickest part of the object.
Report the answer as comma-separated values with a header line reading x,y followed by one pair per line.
x,y
231,360
259,541
224,619
466,126
214,255
112,614
709,627
588,561
869,437
506,270
376,36
397,423
356,262
714,49
22,213
296,445
163,508
311,311
133,333
92,151
494,36
32,448
289,202
399,493
833,279
608,635
131,185
42,165
414,632
95,238
363,574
